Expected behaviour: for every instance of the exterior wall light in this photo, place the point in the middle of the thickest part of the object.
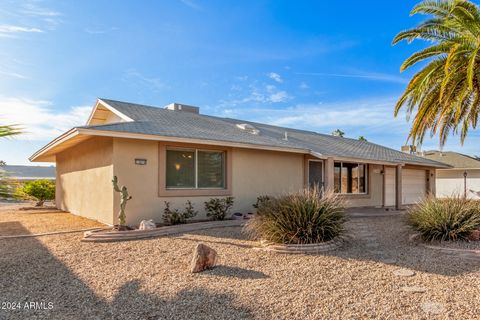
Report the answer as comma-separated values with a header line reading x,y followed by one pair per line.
x,y
141,162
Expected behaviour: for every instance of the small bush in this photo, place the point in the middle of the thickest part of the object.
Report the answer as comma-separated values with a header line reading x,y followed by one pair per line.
x,y
40,190
307,216
174,216
218,208
261,200
445,219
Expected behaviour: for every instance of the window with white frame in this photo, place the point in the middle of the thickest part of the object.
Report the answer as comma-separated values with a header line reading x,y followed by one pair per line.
x,y
195,169
350,177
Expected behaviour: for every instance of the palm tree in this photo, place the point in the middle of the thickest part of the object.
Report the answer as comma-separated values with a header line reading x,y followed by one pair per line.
x,y
338,133
362,138
444,96
7,131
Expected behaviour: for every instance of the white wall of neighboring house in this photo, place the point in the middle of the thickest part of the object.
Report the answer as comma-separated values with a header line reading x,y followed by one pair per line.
x,y
451,182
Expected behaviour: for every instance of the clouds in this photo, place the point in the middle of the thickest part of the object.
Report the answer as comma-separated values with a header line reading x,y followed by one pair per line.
x,y
38,117
365,75
275,77
9,30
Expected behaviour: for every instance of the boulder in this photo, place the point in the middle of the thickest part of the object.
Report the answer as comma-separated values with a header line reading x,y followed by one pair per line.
x,y
204,258
147,225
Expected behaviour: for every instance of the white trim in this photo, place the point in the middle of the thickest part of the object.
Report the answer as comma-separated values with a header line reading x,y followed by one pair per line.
x,y
110,108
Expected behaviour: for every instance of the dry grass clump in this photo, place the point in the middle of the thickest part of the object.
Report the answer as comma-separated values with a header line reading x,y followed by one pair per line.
x,y
450,218
307,216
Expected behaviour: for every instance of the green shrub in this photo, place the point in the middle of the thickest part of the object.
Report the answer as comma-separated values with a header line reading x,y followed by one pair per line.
x,y
445,219
174,216
261,200
307,216
40,190
218,208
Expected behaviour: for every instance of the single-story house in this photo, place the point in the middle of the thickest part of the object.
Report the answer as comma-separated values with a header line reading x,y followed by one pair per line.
x,y
462,178
176,154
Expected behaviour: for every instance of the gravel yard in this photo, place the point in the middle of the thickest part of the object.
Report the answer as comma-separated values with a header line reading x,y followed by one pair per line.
x,y
150,279
19,222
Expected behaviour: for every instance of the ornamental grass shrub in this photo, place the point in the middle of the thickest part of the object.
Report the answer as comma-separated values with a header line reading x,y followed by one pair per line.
x,y
450,218
307,216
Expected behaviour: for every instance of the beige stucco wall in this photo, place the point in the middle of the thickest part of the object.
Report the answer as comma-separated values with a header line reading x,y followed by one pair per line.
x,y
84,174
254,172
451,182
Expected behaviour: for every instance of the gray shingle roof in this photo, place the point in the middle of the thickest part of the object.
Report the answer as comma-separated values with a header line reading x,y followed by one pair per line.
x,y
159,121
455,159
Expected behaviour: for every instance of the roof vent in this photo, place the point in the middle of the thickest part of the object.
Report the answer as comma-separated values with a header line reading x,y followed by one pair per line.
x,y
248,128
183,107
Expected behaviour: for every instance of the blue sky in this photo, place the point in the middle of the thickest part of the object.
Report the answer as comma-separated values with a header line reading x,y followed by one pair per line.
x,y
317,65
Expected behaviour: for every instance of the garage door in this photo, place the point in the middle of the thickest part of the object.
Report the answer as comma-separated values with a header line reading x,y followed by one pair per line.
x,y
414,185
389,187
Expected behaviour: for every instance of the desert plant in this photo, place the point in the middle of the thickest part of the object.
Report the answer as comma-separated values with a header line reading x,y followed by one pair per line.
x,y
40,190
261,200
218,208
189,211
450,218
124,198
174,216
307,216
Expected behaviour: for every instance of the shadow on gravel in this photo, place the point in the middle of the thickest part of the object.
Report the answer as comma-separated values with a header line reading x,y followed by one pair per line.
x,y
235,272
31,273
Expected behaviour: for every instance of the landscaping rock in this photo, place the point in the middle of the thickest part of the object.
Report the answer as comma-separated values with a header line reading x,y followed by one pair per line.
x,y
414,289
432,307
475,235
204,258
404,273
147,225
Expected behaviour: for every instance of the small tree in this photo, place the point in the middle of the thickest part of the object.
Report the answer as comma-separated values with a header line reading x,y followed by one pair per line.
x,y
41,190
362,138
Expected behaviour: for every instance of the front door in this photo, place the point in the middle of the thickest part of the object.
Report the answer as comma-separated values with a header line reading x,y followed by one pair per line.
x,y
315,173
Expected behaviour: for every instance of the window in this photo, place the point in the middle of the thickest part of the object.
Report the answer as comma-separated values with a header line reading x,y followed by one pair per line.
x,y
195,169
350,177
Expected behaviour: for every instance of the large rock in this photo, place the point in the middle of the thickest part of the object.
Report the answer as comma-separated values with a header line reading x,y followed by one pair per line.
x,y
147,225
204,258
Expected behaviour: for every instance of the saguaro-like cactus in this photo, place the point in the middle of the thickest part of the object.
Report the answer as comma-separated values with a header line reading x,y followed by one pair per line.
x,y
124,197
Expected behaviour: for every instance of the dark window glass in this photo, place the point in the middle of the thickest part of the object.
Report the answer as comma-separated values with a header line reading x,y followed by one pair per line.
x,y
180,169
211,168
349,177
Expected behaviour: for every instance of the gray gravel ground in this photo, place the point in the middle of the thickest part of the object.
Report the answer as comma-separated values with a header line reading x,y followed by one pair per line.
x,y
149,279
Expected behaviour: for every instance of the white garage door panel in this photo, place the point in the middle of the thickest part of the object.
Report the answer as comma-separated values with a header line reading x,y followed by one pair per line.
x,y
389,187
414,185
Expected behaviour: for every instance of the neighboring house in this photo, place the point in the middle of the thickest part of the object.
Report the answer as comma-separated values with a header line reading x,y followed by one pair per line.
x,y
175,154
27,173
462,178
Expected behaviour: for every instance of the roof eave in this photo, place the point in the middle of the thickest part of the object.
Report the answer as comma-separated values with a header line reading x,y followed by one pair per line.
x,y
55,142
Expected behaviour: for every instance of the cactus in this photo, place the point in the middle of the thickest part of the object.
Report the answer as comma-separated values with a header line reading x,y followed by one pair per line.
x,y
124,197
